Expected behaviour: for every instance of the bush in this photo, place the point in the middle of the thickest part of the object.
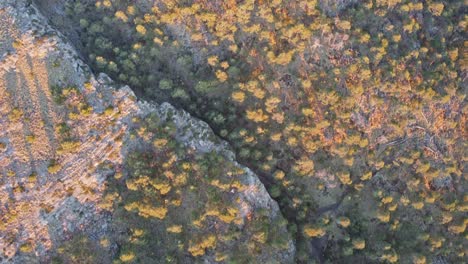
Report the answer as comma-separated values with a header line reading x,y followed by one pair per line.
x,y
15,115
54,167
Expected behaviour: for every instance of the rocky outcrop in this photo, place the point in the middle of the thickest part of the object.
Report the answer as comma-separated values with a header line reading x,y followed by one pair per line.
x,y
59,129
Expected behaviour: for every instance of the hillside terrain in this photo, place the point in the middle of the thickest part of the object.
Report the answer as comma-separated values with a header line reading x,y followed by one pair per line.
x,y
256,131
352,113
89,174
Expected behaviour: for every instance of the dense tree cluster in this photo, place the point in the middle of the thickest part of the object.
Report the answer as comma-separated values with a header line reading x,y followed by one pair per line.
x,y
353,114
178,206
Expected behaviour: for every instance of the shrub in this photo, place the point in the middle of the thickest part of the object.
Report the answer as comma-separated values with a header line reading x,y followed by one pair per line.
x,y
15,115
205,87
311,231
68,146
175,229
343,221
127,256
30,139
198,249
54,167
26,247
166,84
359,243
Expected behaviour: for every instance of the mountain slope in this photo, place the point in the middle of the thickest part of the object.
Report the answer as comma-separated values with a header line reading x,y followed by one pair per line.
x,y
89,174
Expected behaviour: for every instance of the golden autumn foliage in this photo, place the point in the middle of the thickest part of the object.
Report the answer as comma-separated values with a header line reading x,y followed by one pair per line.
x,y
146,210
198,248
257,115
343,221
359,244
314,231
175,229
331,102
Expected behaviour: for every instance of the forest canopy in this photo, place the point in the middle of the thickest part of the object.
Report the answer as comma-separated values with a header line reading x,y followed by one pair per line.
x,y
352,113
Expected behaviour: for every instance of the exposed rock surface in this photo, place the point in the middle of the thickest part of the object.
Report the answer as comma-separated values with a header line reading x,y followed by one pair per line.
x,y
52,147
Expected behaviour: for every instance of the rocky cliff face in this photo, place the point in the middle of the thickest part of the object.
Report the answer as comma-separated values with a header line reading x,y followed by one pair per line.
x,y
68,170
